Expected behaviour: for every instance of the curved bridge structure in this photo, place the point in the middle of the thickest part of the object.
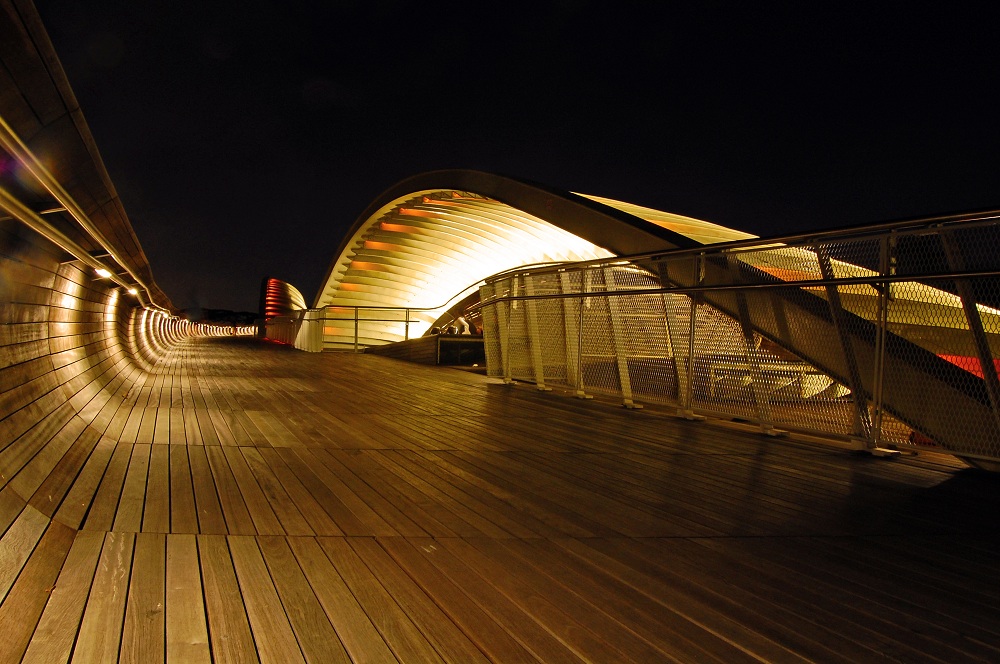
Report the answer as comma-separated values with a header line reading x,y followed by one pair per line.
x,y
169,496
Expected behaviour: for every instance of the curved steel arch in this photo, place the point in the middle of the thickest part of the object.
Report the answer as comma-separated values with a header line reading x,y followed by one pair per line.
x,y
431,237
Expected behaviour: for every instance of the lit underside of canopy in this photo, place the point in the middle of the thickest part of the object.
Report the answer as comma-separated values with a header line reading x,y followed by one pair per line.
x,y
431,248
434,247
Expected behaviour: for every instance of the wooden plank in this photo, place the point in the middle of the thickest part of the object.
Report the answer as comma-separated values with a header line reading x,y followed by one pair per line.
x,y
497,643
192,432
130,507
315,633
186,629
577,630
102,511
210,516
238,521
56,632
292,521
143,634
221,425
17,544
532,635
22,609
360,637
371,522
683,595
74,507
228,626
156,515
147,428
254,435
392,622
344,518
183,515
308,506
54,488
272,428
205,426
448,640
369,481
100,631
264,519
161,433
271,630
178,434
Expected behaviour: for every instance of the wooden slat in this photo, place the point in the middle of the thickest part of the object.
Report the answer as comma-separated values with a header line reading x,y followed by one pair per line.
x,y
448,640
17,544
143,634
22,609
183,514
395,626
210,517
354,627
100,631
56,632
105,504
498,644
271,629
315,633
186,629
238,521
285,509
128,516
228,627
264,519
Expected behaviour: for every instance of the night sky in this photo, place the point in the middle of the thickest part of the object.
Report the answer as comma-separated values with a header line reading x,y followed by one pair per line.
x,y
245,137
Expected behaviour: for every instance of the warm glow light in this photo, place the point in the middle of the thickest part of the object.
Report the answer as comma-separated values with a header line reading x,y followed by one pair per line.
x,y
101,272
133,291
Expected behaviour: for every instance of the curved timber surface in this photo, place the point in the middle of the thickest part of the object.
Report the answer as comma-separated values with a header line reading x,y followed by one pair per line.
x,y
242,501
166,496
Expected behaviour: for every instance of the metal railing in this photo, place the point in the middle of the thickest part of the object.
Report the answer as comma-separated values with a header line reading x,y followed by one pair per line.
x,y
350,327
886,335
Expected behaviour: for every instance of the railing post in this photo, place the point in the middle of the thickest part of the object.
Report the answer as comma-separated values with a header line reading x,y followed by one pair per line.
x,y
534,334
580,393
618,338
507,378
758,386
356,310
956,263
573,327
406,332
682,343
862,418
688,404
886,247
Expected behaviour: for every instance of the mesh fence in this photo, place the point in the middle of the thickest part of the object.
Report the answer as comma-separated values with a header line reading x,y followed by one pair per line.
x,y
891,338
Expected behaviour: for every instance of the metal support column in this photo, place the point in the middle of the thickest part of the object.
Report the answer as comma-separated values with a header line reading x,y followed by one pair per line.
x,y
356,322
534,335
503,313
862,418
956,263
682,344
618,336
573,326
758,386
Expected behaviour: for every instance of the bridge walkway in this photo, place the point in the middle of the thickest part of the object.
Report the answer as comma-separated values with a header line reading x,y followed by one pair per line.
x,y
249,502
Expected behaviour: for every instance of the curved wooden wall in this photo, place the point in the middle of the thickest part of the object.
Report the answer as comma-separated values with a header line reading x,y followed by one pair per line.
x,y
71,352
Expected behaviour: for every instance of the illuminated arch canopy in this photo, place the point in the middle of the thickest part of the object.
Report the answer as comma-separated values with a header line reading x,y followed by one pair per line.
x,y
429,241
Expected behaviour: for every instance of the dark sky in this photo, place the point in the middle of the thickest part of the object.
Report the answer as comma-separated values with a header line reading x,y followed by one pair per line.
x,y
245,137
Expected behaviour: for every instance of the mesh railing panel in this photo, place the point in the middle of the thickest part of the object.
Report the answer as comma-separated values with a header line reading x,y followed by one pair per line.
x,y
869,342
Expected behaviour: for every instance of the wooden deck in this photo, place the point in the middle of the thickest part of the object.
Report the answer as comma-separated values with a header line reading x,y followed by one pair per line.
x,y
246,501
